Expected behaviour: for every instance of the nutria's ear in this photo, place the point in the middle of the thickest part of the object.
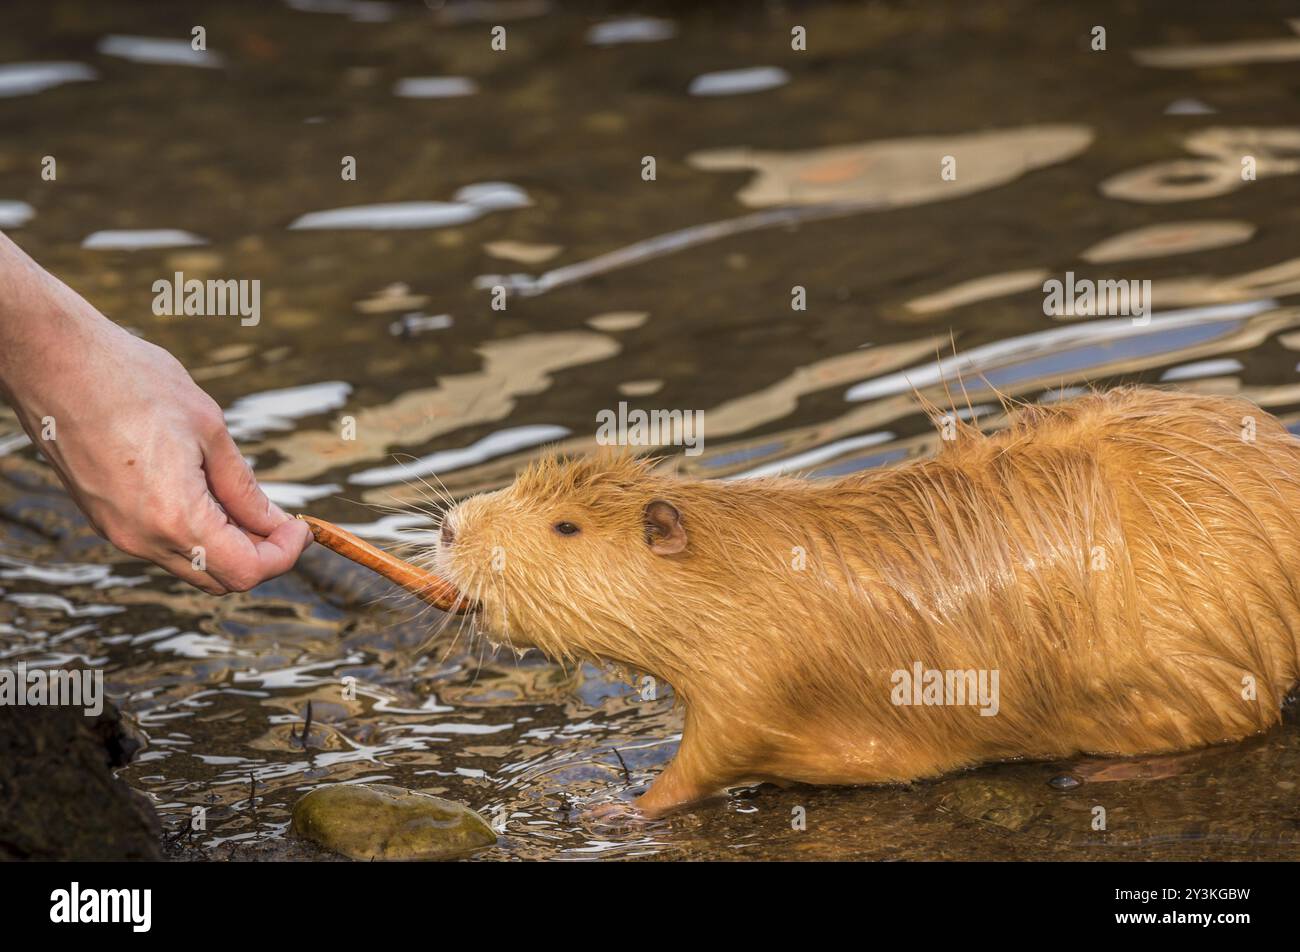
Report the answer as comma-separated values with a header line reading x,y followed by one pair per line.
x,y
663,528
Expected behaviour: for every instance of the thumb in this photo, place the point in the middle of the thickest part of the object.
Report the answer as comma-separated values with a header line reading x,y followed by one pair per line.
x,y
232,483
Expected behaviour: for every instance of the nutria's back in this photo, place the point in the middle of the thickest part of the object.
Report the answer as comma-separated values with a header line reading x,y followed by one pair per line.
x,y
1126,562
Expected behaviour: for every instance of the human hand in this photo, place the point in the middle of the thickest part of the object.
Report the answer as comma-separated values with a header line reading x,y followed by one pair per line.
x,y
145,453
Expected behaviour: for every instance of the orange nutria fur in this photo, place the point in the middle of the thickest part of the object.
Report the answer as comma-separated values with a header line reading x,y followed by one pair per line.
x,y
1126,563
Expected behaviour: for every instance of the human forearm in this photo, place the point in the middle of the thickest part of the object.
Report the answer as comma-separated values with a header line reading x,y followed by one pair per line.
x,y
46,328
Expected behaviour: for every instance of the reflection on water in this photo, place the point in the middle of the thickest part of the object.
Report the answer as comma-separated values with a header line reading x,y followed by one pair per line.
x,y
434,87
1198,56
15,214
382,374
631,30
139,238
164,52
1172,239
467,205
734,82
899,172
24,79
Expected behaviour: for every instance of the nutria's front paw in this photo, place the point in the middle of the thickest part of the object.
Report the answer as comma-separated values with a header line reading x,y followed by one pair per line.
x,y
615,815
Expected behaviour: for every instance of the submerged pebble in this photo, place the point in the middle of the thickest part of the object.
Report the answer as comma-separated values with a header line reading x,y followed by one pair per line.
x,y
1005,803
379,821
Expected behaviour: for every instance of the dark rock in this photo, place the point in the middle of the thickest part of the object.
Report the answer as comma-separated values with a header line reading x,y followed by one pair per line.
x,y
59,797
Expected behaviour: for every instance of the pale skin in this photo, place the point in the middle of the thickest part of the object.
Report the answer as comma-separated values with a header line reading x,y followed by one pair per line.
x,y
143,451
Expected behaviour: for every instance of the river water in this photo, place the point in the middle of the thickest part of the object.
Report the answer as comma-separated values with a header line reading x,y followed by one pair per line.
x,y
774,170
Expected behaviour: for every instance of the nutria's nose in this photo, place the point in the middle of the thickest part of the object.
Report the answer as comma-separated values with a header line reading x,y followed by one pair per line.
x,y
448,533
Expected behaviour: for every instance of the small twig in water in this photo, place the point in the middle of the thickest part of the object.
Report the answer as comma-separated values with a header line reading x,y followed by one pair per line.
x,y
627,775
306,730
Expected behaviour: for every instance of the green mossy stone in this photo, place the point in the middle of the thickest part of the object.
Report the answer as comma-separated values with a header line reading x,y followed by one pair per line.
x,y
1013,806
378,821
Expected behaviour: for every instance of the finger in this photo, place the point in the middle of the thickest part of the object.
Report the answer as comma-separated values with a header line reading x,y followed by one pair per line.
x,y
280,550
239,562
233,485
183,568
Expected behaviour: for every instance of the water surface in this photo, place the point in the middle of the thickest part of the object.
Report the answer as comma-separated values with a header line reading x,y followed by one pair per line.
x,y
523,169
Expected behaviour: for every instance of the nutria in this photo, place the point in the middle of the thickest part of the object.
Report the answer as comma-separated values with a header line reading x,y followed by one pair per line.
x,y
1121,569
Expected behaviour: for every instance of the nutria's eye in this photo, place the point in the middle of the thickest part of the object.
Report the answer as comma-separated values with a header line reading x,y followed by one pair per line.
x,y
566,528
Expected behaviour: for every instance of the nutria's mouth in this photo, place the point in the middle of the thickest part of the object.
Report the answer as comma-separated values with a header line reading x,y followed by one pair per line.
x,y
423,584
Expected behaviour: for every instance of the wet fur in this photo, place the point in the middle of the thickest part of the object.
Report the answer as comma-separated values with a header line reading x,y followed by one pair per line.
x,y
984,557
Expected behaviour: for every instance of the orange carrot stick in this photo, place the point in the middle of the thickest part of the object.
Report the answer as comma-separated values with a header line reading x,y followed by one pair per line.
x,y
436,591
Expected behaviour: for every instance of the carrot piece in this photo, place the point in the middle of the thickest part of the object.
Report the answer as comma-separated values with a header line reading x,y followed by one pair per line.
x,y
438,592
